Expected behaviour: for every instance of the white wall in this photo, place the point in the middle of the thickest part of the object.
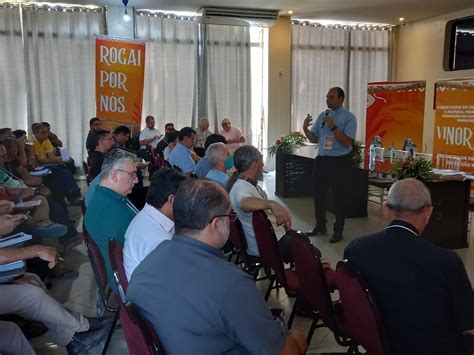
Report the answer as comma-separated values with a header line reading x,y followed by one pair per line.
x,y
418,55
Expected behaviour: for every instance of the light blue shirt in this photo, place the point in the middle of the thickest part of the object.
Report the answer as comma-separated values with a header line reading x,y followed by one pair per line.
x,y
202,168
181,157
345,121
218,176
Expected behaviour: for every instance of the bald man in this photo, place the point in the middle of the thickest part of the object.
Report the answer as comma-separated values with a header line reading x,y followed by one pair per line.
x,y
424,294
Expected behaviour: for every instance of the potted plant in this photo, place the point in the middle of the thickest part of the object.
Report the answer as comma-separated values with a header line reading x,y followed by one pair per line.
x,y
287,143
410,167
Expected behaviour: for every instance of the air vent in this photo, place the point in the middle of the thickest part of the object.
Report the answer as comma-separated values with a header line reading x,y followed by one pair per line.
x,y
238,17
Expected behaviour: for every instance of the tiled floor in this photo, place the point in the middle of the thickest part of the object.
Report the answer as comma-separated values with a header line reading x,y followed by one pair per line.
x,y
80,294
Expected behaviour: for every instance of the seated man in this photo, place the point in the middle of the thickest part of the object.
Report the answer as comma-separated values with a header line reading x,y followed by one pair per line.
x,y
109,211
218,156
182,156
149,135
423,292
202,132
234,136
197,302
121,136
162,144
94,127
104,144
246,196
154,223
171,139
203,166
26,297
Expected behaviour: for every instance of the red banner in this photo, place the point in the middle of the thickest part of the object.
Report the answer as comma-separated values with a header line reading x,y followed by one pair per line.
x,y
120,70
395,112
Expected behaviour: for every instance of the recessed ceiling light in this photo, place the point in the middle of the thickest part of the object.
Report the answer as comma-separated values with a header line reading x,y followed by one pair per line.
x,y
401,19
290,12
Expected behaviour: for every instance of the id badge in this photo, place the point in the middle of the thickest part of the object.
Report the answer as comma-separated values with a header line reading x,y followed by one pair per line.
x,y
328,142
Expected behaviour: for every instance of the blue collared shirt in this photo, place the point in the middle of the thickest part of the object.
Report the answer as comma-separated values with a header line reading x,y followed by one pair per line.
x,y
218,176
345,121
199,303
181,157
202,168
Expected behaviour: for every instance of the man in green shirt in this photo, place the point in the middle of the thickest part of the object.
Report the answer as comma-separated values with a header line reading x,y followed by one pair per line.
x,y
110,211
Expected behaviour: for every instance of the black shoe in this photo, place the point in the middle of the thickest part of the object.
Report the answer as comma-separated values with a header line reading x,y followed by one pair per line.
x,y
82,342
316,231
336,237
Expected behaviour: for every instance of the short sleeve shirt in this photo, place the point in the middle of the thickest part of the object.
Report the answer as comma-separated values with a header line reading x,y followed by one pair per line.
x,y
241,190
147,134
181,157
233,133
42,148
146,231
345,121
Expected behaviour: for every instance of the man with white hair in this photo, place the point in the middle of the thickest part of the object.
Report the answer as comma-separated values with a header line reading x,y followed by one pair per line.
x,y
424,294
109,211
217,155
202,132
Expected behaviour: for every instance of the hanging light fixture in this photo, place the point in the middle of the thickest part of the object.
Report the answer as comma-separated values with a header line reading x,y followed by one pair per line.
x,y
126,17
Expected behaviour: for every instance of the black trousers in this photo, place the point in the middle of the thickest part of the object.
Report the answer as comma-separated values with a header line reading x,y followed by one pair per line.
x,y
331,173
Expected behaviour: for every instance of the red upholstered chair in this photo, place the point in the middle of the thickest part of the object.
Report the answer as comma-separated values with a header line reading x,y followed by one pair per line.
x,y
87,171
314,290
361,316
251,263
98,267
270,258
139,333
158,161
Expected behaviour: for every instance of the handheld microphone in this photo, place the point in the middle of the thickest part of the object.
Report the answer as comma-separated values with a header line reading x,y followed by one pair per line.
x,y
325,114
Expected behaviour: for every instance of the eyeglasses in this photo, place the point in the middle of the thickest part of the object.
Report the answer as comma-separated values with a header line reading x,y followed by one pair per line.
x,y
132,174
232,217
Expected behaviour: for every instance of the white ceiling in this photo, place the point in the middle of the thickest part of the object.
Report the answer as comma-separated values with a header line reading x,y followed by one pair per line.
x,y
378,11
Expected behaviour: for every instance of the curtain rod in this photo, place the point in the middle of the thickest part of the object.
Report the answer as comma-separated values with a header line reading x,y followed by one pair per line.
x,y
52,7
361,26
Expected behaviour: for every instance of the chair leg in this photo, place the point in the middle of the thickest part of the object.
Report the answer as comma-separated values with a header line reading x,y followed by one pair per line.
x,y
293,314
314,326
111,332
269,289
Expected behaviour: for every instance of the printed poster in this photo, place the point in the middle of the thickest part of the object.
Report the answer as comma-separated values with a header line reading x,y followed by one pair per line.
x,y
454,120
120,70
395,112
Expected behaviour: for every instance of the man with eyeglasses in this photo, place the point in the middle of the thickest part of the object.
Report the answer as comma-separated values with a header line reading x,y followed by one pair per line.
x,y
197,301
109,211
423,292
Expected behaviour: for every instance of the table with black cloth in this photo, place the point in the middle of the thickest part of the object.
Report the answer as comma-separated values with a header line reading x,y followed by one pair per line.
x,y
294,178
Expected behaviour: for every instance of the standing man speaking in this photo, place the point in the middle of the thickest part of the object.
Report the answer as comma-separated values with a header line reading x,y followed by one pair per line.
x,y
335,130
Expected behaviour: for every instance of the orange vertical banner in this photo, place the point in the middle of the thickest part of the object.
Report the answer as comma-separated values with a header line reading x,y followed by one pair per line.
x,y
454,120
120,71
395,112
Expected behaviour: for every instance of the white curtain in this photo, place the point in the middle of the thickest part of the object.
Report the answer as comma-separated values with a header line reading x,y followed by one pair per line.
x,y
60,71
324,57
170,68
12,70
229,91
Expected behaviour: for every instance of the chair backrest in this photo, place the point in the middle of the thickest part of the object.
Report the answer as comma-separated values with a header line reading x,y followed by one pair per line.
x,y
116,263
398,155
87,171
98,267
451,162
154,158
361,316
313,286
268,245
139,334
378,153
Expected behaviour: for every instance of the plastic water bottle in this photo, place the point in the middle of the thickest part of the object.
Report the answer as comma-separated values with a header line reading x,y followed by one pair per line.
x,y
372,157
